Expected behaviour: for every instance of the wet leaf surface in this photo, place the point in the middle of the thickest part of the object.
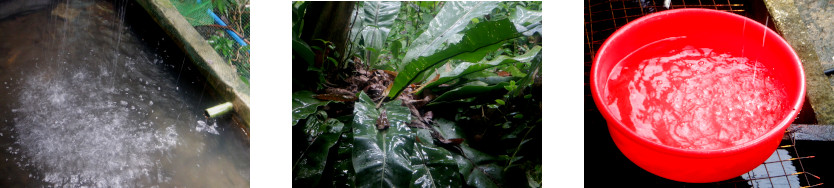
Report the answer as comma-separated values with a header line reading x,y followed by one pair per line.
x,y
445,28
303,50
474,44
343,174
478,169
467,68
527,21
304,104
378,17
323,133
470,89
433,166
408,142
381,158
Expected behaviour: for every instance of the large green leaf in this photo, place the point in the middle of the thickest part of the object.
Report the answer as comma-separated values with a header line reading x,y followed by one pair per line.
x,y
445,28
377,19
395,48
356,26
469,89
485,175
381,158
487,77
302,49
466,68
535,69
478,168
303,104
343,174
433,166
527,21
323,133
474,44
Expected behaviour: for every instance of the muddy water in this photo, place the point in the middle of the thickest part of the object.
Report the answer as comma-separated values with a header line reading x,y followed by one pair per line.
x,y
92,94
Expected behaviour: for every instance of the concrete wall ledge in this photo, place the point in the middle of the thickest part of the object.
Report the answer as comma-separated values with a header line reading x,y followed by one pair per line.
x,y
221,75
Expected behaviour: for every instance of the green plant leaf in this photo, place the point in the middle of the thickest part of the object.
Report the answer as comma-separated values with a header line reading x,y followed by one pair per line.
x,y
395,48
303,104
299,8
356,20
470,89
381,158
486,175
478,168
324,133
499,101
534,177
445,28
534,70
302,49
487,77
466,68
378,18
485,37
433,166
527,21
343,174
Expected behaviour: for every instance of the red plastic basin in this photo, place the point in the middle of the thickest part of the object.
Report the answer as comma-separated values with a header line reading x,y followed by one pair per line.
x,y
704,28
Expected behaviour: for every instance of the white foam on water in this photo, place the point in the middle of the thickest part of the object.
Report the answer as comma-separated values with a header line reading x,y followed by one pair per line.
x,y
694,98
98,143
77,121
203,127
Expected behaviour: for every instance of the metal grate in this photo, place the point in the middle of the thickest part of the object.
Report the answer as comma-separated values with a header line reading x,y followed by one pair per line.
x,y
779,171
602,18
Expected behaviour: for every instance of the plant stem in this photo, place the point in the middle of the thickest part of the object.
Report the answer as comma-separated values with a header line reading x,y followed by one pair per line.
x,y
510,162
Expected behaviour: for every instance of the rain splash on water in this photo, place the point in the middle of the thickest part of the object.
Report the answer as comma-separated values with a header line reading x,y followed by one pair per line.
x,y
94,94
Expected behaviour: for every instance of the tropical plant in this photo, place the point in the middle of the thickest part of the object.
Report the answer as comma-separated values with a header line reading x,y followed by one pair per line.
x,y
477,65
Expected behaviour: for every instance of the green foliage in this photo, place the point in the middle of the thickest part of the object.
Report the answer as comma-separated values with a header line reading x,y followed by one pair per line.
x,y
371,27
378,18
343,173
381,158
224,46
434,166
446,27
478,168
322,135
527,21
486,57
467,90
235,14
467,68
194,13
303,104
474,44
396,46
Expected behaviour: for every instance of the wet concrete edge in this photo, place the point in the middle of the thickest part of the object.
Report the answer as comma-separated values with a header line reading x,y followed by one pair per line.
x,y
220,74
790,25
811,132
